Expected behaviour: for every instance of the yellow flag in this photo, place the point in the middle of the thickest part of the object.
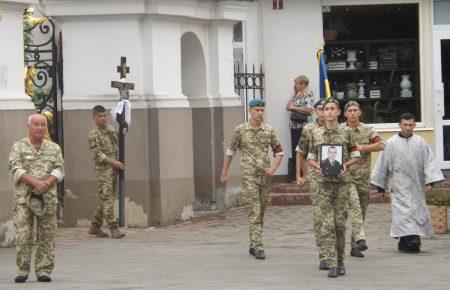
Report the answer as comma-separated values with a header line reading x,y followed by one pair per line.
x,y
1,15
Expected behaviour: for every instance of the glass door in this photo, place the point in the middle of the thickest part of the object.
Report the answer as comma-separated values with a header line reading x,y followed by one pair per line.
x,y
442,95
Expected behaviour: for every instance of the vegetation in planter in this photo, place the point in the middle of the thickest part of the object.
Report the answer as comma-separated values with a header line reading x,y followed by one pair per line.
x,y
438,197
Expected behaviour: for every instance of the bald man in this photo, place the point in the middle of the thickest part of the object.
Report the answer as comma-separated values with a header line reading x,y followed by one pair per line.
x,y
36,165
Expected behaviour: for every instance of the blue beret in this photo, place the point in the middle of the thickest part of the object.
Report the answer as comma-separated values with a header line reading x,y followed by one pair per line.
x,y
256,102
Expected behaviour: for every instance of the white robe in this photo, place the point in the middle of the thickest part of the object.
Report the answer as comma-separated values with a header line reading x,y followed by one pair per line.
x,y
406,166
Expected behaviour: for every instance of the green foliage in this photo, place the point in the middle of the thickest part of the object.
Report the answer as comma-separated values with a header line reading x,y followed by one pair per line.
x,y
438,197
352,86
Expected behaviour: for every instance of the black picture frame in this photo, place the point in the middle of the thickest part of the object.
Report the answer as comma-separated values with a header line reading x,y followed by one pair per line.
x,y
331,165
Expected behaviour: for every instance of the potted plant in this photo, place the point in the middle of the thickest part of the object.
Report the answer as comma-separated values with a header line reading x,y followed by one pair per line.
x,y
405,56
383,113
338,91
351,90
437,201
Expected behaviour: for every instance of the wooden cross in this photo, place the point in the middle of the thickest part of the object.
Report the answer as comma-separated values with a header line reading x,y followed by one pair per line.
x,y
123,69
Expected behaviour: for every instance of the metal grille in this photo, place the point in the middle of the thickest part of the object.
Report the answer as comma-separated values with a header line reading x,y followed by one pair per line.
x,y
248,85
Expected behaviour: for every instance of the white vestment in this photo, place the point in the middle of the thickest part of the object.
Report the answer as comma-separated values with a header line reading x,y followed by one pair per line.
x,y
406,166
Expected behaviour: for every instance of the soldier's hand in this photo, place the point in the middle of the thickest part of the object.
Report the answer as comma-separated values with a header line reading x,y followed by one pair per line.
x,y
428,188
224,179
125,131
119,165
270,172
318,170
40,187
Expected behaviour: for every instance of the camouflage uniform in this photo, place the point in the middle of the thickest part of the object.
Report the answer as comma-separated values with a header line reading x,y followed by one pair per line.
x,y
40,163
103,143
333,194
303,149
253,145
359,173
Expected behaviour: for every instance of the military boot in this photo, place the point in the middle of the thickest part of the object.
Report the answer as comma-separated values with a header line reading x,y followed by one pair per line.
x,y
115,233
96,230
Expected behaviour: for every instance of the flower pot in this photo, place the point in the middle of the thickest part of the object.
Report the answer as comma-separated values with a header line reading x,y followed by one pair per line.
x,y
438,214
351,94
340,95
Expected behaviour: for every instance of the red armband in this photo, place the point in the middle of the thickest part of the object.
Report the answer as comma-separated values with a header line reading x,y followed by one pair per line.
x,y
278,149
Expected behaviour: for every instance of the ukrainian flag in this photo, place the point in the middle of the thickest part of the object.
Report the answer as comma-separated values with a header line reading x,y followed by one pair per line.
x,y
324,83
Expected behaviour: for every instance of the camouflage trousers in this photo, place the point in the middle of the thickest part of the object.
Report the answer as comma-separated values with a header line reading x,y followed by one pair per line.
x,y
314,191
45,239
256,197
332,204
106,192
363,197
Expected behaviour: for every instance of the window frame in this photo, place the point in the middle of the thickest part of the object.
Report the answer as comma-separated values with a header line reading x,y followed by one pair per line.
x,y
425,109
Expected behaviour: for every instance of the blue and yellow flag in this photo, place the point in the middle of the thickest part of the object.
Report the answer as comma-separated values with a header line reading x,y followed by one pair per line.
x,y
324,83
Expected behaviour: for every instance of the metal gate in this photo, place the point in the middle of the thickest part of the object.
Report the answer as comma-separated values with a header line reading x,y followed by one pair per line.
x,y
43,62
248,85
43,73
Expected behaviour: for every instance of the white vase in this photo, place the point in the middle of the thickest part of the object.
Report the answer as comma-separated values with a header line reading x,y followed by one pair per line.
x,y
361,91
351,59
405,84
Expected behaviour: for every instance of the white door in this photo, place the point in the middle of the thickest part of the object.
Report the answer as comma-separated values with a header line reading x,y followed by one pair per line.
x,y
441,52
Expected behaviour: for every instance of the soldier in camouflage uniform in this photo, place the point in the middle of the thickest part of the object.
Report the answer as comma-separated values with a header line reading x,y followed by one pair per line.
x,y
368,141
36,165
253,139
303,149
332,198
103,143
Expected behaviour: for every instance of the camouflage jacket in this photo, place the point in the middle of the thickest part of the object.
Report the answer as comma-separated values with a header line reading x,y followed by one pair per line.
x,y
303,144
363,134
40,163
339,136
103,142
254,145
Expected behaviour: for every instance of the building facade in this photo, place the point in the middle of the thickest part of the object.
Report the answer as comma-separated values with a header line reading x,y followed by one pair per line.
x,y
181,54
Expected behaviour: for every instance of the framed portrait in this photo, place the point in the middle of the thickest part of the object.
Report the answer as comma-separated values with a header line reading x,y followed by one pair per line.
x,y
331,159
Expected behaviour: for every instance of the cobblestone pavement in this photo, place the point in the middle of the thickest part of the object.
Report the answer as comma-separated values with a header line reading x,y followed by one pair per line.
x,y
211,253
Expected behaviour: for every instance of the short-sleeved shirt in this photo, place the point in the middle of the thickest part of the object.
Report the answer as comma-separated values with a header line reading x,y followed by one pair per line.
x,y
254,145
302,99
339,136
41,163
363,134
103,143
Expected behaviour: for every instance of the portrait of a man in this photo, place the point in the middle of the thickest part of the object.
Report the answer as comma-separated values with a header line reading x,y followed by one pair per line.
x,y
331,162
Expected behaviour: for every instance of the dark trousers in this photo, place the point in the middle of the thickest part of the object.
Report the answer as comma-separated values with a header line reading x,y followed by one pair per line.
x,y
295,137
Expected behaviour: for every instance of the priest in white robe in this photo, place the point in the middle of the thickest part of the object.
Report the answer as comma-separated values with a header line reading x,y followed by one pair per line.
x,y
408,168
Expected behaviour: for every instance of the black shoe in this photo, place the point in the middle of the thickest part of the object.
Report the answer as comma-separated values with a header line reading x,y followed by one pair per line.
x,y
20,279
260,255
402,247
333,272
414,245
355,252
341,269
251,251
44,278
324,265
361,245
